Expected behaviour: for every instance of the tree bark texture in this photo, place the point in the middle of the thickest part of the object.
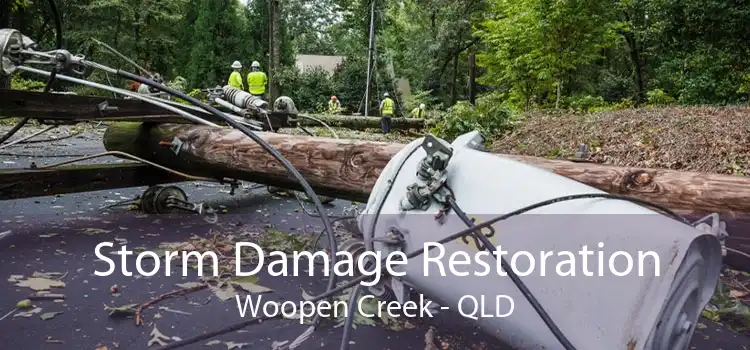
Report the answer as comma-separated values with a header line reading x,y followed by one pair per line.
x,y
348,169
362,123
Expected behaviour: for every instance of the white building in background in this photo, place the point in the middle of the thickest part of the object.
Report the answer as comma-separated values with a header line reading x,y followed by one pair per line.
x,y
327,63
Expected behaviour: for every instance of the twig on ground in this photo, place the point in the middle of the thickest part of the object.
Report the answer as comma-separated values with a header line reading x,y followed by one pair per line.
x,y
139,319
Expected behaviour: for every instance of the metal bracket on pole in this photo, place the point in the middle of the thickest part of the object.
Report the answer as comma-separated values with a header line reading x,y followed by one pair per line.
x,y
104,107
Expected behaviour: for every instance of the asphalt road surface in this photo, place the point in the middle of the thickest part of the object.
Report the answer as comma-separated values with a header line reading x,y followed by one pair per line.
x,y
59,234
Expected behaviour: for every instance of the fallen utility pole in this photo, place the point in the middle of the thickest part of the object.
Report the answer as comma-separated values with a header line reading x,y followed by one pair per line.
x,y
348,169
362,123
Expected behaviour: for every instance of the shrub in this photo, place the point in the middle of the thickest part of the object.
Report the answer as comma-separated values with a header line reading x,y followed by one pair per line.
x,y
658,97
490,116
585,103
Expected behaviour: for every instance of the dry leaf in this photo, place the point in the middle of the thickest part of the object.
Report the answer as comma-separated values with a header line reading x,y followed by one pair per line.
x,y
102,347
248,284
36,283
157,338
24,304
49,315
94,231
213,342
189,285
224,292
232,345
29,313
737,293
124,310
50,275
15,278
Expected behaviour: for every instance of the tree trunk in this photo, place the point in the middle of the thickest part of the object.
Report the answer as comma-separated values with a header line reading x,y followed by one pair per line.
x,y
354,166
454,88
275,61
348,169
635,58
362,123
5,23
472,77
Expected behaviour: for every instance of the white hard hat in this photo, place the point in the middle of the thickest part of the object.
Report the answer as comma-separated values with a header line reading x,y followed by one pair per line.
x,y
236,64
421,106
255,64
385,94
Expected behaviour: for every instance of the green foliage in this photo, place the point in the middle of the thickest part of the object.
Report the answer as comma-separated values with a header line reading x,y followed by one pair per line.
x,y
658,97
586,103
421,96
310,89
178,83
19,83
349,78
490,116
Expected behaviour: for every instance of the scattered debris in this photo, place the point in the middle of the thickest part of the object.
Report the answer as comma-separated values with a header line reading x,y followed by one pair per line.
x,y
213,342
44,295
232,345
49,340
37,283
15,278
139,310
29,313
727,305
50,315
120,311
24,304
164,308
248,284
49,235
157,337
94,231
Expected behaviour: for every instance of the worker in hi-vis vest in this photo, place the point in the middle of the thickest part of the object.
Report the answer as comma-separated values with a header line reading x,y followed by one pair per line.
x,y
386,113
235,79
418,112
256,81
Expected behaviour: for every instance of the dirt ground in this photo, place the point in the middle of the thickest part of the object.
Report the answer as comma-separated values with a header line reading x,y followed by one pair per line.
x,y
703,139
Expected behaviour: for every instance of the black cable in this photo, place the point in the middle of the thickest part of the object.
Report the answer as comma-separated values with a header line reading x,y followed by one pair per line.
x,y
513,277
273,152
416,253
349,321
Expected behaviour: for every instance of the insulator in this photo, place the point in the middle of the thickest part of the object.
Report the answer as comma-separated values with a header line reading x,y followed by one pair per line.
x,y
243,99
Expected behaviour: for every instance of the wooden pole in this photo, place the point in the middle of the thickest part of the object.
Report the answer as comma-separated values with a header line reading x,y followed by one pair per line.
x,y
348,169
354,165
362,123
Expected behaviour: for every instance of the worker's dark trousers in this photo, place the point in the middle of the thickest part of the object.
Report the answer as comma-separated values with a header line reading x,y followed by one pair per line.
x,y
385,124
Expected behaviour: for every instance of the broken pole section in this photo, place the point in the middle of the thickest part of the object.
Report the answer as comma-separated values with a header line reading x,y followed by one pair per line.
x,y
348,169
362,123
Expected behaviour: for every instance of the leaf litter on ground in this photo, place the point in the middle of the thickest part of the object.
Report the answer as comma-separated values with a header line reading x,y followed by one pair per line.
x,y
156,337
50,315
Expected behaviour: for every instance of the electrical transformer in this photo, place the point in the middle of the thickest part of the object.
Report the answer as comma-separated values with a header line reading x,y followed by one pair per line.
x,y
598,302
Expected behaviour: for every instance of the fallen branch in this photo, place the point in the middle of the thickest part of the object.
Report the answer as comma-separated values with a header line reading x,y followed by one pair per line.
x,y
362,123
183,291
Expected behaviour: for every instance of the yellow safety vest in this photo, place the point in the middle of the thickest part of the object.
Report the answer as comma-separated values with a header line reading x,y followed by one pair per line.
x,y
235,80
387,107
256,82
417,113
